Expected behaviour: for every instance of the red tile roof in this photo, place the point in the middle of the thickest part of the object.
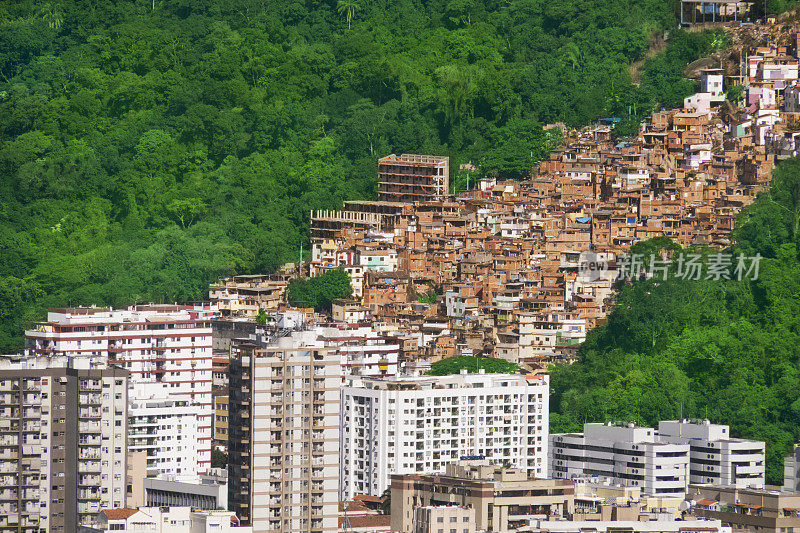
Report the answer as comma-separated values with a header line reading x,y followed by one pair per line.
x,y
118,514
706,502
368,498
369,520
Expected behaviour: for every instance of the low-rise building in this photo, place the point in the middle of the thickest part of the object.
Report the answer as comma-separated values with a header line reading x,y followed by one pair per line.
x,y
502,498
715,457
169,520
628,526
623,453
208,492
762,510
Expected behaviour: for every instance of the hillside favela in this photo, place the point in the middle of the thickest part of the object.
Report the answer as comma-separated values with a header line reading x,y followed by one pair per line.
x,y
413,266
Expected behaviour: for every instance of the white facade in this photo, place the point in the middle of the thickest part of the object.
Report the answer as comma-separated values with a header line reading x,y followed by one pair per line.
x,y
546,330
791,471
627,455
166,429
166,343
411,425
711,81
362,350
170,520
384,260
715,457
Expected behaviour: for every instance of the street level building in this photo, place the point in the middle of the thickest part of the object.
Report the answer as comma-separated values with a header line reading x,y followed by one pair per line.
x,y
629,526
503,499
444,519
767,511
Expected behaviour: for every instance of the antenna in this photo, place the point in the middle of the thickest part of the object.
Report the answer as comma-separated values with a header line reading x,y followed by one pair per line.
x,y
347,527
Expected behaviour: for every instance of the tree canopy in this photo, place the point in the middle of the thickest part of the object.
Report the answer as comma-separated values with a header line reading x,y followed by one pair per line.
x,y
319,292
722,350
454,365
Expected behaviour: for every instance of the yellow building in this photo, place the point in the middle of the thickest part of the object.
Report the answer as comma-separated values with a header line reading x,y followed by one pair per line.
x,y
221,422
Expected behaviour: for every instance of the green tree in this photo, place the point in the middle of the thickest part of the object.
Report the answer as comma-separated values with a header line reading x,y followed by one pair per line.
x,y
454,365
320,291
52,14
348,8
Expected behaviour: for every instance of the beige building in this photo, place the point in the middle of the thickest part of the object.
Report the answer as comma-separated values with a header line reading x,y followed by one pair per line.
x,y
221,421
444,519
604,501
243,296
502,498
62,444
284,435
136,473
762,510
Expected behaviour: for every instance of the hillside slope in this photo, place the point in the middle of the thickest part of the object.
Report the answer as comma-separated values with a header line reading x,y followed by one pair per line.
x,y
148,147
722,350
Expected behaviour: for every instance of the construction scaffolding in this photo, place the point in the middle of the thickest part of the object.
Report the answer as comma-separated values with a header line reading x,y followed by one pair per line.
x,y
703,11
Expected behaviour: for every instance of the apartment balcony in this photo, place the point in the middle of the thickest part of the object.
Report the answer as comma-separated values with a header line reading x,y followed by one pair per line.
x,y
88,508
89,467
89,454
90,480
8,440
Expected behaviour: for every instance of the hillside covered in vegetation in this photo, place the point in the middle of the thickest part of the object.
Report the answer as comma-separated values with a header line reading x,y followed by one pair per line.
x,y
149,146
722,350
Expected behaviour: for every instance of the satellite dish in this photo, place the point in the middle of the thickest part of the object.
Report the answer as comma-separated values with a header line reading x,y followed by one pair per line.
x,y
685,505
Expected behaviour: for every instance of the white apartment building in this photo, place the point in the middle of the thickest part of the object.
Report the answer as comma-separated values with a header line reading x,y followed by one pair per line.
x,y
284,434
626,454
166,428
407,425
715,457
546,330
62,443
362,350
791,470
166,343
170,520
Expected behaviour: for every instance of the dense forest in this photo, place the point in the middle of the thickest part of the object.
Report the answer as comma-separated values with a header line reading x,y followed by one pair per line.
x,y
149,146
722,350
